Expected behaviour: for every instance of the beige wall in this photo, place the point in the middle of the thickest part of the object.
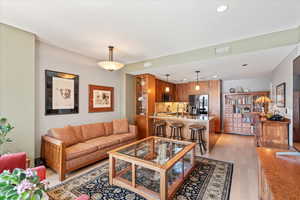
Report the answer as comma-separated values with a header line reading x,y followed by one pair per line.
x,y
283,73
129,97
17,86
49,57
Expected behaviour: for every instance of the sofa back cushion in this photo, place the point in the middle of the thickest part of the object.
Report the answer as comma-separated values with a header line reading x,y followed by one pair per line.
x,y
66,135
120,126
78,132
108,128
90,131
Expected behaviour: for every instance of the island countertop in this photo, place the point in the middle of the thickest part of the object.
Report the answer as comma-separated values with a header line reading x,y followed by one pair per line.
x,y
209,136
187,118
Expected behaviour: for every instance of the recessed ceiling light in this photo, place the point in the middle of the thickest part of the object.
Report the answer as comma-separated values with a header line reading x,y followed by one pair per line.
x,y
215,76
222,8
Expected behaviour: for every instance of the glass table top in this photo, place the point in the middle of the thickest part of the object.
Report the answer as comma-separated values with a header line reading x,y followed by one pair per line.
x,y
156,150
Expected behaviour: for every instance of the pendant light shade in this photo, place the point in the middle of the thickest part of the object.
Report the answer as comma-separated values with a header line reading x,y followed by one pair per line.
x,y
167,89
110,65
197,83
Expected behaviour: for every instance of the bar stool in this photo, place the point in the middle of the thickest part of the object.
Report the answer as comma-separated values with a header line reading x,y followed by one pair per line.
x,y
159,128
176,130
199,130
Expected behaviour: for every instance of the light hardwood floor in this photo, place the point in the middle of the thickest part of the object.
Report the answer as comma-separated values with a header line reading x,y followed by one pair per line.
x,y
233,148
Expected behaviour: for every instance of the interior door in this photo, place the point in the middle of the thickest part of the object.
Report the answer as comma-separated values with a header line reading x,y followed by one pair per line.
x,y
296,103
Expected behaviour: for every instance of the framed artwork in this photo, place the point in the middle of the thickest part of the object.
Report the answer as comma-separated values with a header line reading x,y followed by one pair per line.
x,y
61,93
280,95
101,98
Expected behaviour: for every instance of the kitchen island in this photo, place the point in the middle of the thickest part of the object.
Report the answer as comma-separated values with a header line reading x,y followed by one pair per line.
x,y
210,136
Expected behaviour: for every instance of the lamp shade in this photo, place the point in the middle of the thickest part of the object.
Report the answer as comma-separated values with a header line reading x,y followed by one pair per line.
x,y
110,64
263,99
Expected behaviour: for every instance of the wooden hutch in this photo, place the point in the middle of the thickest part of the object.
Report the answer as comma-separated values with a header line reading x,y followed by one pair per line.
x,y
240,110
145,103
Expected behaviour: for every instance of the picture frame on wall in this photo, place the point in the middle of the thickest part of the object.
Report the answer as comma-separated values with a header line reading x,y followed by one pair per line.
x,y
101,98
281,95
61,93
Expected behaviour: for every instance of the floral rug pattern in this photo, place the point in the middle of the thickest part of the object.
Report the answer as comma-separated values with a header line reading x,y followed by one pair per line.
x,y
210,180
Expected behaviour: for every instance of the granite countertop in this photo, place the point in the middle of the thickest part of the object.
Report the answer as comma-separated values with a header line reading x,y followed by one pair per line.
x,y
189,118
282,173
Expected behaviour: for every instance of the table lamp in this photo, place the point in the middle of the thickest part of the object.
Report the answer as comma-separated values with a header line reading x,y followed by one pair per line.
x,y
263,100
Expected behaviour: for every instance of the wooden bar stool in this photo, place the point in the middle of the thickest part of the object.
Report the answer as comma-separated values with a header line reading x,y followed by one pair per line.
x,y
199,131
159,128
176,130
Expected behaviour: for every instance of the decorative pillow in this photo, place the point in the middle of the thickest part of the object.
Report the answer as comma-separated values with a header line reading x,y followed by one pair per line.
x,y
66,135
108,128
90,131
120,126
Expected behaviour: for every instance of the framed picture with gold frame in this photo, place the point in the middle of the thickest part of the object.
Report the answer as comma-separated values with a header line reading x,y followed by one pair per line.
x,y
101,98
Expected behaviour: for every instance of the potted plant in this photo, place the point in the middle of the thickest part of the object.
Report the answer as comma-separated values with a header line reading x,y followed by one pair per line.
x,y
22,185
5,128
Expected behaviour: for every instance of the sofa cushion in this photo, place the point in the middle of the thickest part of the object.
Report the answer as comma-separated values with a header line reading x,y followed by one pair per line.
x,y
78,132
120,126
66,135
124,137
90,131
108,128
104,142
78,150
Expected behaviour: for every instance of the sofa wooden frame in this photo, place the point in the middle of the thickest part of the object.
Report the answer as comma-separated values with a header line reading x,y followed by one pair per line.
x,y
53,153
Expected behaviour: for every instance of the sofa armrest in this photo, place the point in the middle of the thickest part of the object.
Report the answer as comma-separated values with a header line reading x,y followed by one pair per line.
x,y
52,140
133,129
53,153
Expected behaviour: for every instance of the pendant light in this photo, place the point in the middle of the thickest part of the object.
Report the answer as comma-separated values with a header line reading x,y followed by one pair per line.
x,y
197,84
167,89
111,65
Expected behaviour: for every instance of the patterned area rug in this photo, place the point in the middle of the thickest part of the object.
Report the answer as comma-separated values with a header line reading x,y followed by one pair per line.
x,y
210,180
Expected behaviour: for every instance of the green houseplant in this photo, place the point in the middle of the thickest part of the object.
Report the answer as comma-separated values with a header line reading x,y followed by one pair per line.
x,y
22,185
5,128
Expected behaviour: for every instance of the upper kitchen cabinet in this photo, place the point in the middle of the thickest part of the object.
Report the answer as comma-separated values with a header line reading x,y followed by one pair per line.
x,y
183,90
161,94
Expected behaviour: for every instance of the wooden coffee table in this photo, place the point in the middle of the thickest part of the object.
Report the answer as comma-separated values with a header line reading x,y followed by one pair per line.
x,y
153,167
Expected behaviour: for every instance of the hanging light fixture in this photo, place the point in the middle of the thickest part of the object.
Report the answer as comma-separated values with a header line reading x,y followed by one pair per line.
x,y
110,65
197,84
167,89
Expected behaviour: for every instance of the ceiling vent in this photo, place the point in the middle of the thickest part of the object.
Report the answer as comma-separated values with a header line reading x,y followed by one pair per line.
x,y
222,50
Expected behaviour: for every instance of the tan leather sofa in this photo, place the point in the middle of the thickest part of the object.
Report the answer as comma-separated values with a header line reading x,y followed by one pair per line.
x,y
72,147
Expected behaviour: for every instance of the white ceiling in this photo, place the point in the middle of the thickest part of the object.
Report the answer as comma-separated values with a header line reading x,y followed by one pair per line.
x,y
144,29
260,64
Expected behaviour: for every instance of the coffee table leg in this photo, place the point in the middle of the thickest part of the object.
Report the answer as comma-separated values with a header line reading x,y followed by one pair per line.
x,y
163,185
112,172
193,157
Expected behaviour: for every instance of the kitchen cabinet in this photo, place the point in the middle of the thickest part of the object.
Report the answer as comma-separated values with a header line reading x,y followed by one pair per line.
x,y
160,90
211,87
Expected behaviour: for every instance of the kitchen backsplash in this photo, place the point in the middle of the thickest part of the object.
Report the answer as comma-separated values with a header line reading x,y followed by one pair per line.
x,y
172,107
